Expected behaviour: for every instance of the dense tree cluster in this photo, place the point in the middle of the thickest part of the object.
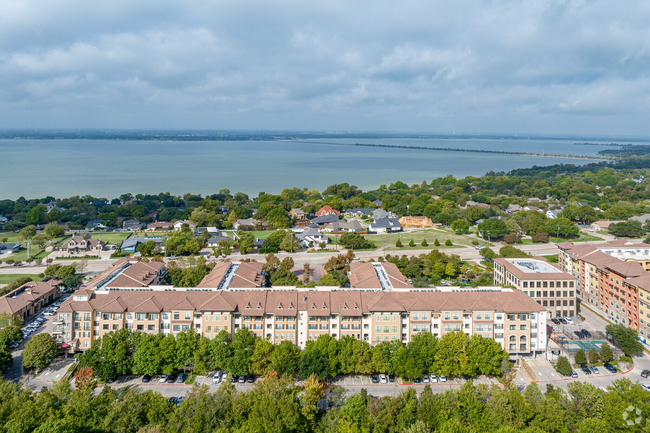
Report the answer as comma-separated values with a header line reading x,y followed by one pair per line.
x,y
124,352
276,405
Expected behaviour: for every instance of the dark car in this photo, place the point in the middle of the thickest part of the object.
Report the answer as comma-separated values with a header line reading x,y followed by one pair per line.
x,y
554,320
645,373
375,378
112,380
391,378
171,378
180,378
585,368
417,380
172,400
579,334
562,321
146,378
609,367
179,401
233,378
586,333
250,379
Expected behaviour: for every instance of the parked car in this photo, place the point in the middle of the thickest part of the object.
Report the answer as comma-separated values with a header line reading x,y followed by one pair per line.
x,y
610,367
579,334
442,378
425,378
594,369
173,400
586,333
562,321
250,378
645,373
417,380
574,374
391,378
216,379
383,378
646,386
374,378
585,368
433,378
163,378
146,378
242,379
180,378
233,378
179,401
569,320
171,378
554,320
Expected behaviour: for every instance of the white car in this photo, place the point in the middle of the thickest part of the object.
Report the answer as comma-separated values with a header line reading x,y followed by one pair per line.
x,y
442,378
163,378
569,320
646,386
383,378
434,378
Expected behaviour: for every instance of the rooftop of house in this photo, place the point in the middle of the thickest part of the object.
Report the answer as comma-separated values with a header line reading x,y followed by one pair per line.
x,y
25,295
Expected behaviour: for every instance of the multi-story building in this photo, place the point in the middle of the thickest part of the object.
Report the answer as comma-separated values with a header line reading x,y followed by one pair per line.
x,y
232,296
613,279
29,298
552,288
128,273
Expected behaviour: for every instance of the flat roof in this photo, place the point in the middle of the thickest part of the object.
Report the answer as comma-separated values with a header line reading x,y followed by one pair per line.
x,y
534,266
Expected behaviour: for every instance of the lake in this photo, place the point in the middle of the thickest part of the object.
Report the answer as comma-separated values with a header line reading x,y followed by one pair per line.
x,y
108,168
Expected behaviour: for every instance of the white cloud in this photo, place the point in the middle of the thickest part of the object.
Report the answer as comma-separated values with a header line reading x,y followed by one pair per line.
x,y
549,66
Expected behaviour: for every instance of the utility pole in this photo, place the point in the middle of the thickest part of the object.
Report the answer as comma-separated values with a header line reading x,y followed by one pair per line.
x,y
557,235
28,243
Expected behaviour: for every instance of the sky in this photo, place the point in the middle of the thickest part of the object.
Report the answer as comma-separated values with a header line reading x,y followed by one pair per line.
x,y
553,67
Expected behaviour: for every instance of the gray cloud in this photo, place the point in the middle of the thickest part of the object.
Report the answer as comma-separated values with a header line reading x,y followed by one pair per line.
x,y
493,66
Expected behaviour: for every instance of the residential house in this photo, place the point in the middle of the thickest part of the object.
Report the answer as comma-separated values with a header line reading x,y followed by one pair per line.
x,y
532,208
325,219
95,225
553,213
380,213
10,248
214,241
79,246
178,225
643,219
3,219
133,225
326,210
297,214
377,202
359,212
534,200
513,208
130,245
343,226
29,299
311,237
601,225
246,223
160,225
385,225
211,230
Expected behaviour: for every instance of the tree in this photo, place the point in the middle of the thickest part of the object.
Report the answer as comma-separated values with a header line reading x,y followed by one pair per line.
x,y
36,215
451,356
492,229
27,233
246,242
509,251
627,229
290,242
328,280
285,358
353,240
488,253
436,242
563,366
398,244
606,353
85,378
425,243
562,226
287,264
6,360
626,338
313,362
262,355
540,238
242,350
448,242
581,358
40,351
53,230
40,240
460,226
147,249
412,243
593,356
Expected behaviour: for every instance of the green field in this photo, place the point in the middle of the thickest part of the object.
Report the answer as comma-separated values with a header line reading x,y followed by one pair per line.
x,y
8,278
111,238
430,235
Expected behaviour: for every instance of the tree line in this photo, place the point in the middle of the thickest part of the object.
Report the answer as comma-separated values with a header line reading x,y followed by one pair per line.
x,y
124,353
274,404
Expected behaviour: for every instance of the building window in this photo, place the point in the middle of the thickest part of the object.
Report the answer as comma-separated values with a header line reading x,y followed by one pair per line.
x,y
416,316
188,315
151,327
447,316
177,316
140,316
105,327
165,316
153,316
140,327
185,327
176,328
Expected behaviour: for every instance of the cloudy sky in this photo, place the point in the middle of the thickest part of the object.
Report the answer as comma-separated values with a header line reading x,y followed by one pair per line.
x,y
533,66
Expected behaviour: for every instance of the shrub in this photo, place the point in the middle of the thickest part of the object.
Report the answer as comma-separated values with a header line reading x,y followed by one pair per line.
x,y
563,366
510,238
436,242
540,238
448,242
411,243
398,244
268,250
425,243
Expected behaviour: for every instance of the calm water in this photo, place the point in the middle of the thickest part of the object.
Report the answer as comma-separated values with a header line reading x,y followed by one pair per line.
x,y
108,168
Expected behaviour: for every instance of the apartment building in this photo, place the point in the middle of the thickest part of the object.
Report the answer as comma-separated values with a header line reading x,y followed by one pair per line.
x,y
29,298
128,273
613,279
549,286
376,313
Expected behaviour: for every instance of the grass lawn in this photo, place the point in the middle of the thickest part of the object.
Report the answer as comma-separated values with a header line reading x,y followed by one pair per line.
x,y
8,278
111,238
76,258
420,247
35,253
430,235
